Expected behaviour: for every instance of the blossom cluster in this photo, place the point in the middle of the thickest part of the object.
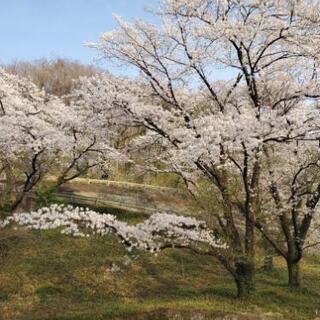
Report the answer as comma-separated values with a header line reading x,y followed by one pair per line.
x,y
153,234
41,136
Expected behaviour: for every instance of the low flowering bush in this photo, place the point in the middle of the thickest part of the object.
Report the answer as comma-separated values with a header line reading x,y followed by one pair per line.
x,y
160,231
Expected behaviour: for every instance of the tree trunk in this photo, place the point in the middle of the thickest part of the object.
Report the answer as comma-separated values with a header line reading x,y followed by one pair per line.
x,y
244,278
293,274
16,204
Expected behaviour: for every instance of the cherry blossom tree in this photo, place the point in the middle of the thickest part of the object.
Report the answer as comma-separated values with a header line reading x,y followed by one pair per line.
x,y
41,137
257,132
292,191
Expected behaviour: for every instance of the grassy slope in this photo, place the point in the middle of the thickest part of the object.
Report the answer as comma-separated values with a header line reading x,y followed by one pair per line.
x,y
45,275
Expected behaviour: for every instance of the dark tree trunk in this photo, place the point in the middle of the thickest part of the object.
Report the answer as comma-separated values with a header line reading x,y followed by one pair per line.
x,y
18,202
293,274
244,278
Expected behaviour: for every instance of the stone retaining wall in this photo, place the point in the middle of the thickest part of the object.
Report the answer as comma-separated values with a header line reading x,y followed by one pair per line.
x,y
127,196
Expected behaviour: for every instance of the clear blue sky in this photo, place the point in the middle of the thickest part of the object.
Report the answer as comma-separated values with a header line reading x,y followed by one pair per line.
x,y
33,29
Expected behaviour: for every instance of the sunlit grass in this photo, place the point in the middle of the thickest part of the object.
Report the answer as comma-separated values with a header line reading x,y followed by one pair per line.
x,y
45,275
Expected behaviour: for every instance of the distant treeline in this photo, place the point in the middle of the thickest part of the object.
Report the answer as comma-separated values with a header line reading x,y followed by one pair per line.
x,y
55,76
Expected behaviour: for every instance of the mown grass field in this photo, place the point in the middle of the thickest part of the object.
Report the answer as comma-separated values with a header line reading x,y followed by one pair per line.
x,y
45,275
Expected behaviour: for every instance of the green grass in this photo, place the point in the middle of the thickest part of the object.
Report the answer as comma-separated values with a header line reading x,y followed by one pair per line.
x,y
122,214
44,275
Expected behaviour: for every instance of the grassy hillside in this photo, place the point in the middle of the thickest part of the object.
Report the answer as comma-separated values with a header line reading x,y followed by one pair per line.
x,y
45,275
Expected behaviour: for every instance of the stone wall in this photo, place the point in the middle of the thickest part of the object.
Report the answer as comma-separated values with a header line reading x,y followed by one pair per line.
x,y
127,196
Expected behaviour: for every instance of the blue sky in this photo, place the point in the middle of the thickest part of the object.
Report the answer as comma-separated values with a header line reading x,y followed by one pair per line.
x,y
33,29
